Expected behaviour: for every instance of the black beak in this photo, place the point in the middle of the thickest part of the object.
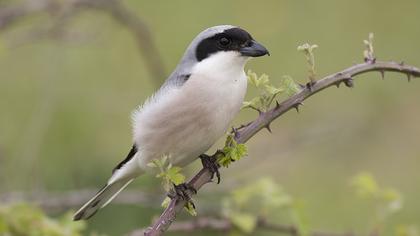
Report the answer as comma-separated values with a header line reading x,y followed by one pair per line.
x,y
254,49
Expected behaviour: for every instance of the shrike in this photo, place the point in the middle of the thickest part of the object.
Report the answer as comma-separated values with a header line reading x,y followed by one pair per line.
x,y
191,110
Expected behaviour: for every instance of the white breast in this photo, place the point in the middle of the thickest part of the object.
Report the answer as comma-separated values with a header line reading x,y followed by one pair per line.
x,y
185,121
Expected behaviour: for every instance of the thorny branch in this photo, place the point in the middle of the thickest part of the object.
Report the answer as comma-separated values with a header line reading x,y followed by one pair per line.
x,y
224,225
61,12
265,118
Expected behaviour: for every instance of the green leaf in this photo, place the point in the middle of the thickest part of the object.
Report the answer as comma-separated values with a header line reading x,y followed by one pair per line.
x,y
299,218
238,152
258,82
262,81
393,199
3,225
243,221
155,163
252,78
365,185
164,160
190,209
168,173
173,170
232,151
165,202
177,179
289,85
407,230
273,90
24,219
267,92
224,161
255,103
174,176
152,165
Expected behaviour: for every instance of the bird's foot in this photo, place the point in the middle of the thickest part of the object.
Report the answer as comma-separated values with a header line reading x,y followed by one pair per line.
x,y
183,191
210,163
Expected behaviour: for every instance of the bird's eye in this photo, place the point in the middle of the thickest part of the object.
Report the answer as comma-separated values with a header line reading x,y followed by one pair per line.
x,y
224,41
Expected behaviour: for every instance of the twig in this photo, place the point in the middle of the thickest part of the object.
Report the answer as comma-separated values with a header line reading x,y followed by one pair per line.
x,y
264,119
139,30
63,11
225,225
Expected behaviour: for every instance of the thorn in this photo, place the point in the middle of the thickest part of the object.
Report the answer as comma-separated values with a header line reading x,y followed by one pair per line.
x,y
268,128
337,84
296,106
310,85
277,105
408,77
382,74
301,86
349,82
235,131
259,111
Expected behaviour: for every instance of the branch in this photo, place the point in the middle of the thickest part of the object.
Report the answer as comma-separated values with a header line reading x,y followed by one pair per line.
x,y
63,11
139,30
265,118
225,225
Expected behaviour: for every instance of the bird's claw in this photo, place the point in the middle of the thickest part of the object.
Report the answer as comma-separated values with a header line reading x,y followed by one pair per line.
x,y
210,163
182,191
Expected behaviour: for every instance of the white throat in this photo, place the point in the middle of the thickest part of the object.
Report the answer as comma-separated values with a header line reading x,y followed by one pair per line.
x,y
222,64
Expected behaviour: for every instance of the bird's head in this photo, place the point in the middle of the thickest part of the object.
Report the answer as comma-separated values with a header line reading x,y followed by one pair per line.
x,y
226,38
230,44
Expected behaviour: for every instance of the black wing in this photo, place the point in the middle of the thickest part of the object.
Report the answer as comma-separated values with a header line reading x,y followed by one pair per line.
x,y
130,155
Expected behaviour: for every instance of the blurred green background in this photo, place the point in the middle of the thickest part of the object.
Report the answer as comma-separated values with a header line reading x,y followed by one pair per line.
x,y
66,104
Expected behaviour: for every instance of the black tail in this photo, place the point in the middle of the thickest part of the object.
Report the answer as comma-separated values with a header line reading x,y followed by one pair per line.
x,y
101,199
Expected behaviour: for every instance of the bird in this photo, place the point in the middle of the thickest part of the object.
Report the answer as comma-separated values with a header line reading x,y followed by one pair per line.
x,y
189,112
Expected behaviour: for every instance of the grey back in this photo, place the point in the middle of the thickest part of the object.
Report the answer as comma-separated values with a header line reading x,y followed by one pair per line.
x,y
188,60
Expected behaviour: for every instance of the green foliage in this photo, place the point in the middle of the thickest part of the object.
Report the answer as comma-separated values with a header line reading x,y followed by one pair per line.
x,y
289,85
298,216
165,202
386,201
23,219
261,199
308,50
232,151
407,230
189,207
368,52
168,173
267,91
